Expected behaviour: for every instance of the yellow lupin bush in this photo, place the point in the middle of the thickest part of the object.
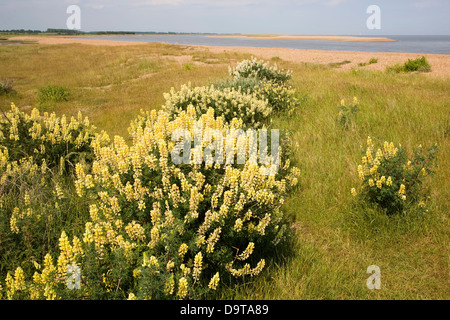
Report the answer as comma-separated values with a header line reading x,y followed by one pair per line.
x,y
404,177
228,103
205,201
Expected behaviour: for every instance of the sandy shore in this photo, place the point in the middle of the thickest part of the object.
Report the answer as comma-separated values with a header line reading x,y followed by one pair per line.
x,y
323,38
440,64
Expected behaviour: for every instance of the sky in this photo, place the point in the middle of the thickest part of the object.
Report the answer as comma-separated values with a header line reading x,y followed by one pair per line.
x,y
296,17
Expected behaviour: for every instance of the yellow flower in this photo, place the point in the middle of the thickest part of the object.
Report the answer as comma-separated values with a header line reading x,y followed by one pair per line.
x,y
247,252
423,172
389,181
135,231
170,285
182,287
401,191
198,261
379,184
214,281
238,225
353,191
136,273
182,250
361,172
19,279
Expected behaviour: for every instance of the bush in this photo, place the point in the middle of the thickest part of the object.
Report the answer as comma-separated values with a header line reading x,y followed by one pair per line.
x,y
259,69
228,103
280,97
159,230
52,93
37,194
46,138
390,180
6,86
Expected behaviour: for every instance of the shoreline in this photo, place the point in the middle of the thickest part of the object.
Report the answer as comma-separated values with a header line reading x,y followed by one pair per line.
x,y
318,37
440,63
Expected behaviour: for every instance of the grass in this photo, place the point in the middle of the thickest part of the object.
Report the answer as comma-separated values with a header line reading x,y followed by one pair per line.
x,y
335,239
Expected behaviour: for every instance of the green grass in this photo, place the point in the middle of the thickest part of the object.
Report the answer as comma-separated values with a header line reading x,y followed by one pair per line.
x,y
335,238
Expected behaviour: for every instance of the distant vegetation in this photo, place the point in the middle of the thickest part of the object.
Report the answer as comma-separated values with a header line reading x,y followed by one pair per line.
x,y
79,32
419,65
371,61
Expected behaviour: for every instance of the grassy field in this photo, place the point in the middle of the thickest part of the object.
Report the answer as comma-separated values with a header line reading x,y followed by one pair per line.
x,y
336,240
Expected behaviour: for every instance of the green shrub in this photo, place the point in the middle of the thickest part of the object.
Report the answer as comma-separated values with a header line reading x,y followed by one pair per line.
x,y
390,180
419,65
52,93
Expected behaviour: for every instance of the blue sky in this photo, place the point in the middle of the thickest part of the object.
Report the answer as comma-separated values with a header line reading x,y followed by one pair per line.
x,y
333,17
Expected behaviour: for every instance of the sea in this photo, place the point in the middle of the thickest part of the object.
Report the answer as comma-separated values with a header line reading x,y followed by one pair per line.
x,y
437,44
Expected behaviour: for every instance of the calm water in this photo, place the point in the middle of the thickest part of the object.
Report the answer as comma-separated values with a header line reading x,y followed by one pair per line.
x,y
410,44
